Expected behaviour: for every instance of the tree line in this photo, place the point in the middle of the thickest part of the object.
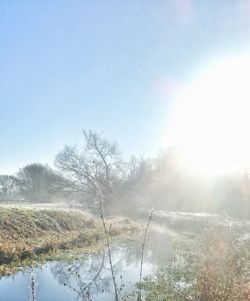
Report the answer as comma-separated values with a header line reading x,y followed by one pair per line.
x,y
127,185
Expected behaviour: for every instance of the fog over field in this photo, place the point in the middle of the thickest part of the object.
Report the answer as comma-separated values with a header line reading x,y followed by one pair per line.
x,y
125,151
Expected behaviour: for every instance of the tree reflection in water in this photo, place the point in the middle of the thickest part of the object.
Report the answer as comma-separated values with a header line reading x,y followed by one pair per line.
x,y
92,277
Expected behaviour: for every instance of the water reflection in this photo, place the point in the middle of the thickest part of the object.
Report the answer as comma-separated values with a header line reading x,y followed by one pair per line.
x,y
72,280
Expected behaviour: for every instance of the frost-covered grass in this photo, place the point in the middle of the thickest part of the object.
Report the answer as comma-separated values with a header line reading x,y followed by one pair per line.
x,y
197,222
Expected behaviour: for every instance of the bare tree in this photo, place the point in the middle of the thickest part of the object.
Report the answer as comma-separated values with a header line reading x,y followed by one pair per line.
x,y
7,183
98,166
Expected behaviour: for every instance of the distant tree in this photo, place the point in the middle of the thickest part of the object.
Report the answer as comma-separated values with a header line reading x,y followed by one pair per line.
x,y
137,186
97,166
59,185
7,183
34,182
140,175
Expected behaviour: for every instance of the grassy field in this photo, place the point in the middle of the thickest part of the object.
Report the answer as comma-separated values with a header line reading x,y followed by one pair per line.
x,y
27,234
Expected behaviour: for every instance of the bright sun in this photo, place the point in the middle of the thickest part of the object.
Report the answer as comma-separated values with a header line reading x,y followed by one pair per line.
x,y
211,121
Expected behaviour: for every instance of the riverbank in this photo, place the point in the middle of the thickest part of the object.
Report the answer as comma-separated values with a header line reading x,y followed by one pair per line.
x,y
213,266
27,235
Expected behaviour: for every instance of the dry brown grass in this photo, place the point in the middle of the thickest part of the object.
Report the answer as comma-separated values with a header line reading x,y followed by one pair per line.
x,y
27,234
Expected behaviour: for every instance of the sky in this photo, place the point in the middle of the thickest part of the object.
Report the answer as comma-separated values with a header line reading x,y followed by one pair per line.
x,y
111,66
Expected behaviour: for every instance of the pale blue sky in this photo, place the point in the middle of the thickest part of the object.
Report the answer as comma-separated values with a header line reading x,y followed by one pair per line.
x,y
106,65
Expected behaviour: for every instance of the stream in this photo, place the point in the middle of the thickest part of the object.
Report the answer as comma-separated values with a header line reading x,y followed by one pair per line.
x,y
56,281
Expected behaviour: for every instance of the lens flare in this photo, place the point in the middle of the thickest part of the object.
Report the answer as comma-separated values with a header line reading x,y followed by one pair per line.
x,y
210,125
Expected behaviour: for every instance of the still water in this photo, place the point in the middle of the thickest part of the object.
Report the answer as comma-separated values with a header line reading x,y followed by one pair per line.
x,y
56,281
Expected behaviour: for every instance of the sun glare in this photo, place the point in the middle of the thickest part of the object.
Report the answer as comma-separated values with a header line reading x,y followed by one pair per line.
x,y
211,120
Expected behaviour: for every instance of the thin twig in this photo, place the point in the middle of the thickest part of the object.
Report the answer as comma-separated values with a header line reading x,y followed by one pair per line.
x,y
99,196
142,252
33,286
97,274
